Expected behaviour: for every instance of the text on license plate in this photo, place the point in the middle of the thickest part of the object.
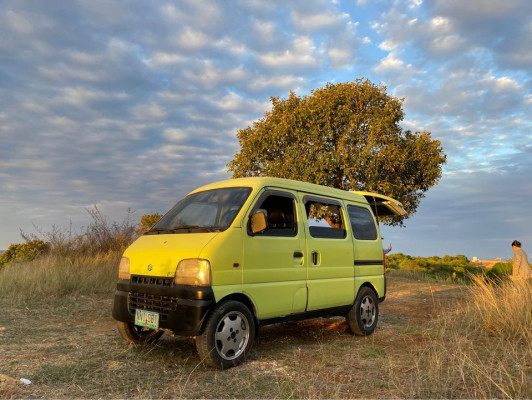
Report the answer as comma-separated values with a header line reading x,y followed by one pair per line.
x,y
148,319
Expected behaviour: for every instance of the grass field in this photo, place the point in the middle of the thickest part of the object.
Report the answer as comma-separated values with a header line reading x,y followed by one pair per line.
x,y
433,340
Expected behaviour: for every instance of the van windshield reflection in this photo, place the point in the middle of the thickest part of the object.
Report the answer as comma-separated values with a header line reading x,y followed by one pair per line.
x,y
208,211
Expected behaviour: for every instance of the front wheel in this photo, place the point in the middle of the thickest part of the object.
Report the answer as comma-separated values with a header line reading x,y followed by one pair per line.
x,y
228,335
136,334
363,316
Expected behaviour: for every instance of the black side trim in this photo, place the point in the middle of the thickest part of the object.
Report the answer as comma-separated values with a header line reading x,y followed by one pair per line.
x,y
326,312
369,262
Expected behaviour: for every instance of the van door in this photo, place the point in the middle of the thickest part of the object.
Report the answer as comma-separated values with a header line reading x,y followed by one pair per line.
x,y
329,253
274,273
367,248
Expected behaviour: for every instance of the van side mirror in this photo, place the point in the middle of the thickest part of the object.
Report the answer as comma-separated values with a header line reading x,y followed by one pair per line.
x,y
259,221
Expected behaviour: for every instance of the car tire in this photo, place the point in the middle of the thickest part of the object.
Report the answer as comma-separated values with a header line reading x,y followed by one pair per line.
x,y
228,335
363,316
136,334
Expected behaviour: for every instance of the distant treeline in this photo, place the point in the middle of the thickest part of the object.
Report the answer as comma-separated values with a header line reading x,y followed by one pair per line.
x,y
456,268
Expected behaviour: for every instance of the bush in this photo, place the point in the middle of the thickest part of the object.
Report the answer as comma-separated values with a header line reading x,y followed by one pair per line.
x,y
449,268
104,237
147,221
24,251
100,237
502,269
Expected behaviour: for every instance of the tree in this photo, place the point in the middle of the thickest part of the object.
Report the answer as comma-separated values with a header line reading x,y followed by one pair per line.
x,y
347,136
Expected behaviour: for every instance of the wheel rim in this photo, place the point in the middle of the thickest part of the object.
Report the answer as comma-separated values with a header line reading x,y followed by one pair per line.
x,y
232,335
367,311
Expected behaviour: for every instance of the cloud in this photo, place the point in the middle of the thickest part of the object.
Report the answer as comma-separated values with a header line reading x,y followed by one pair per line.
x,y
302,54
482,210
133,106
390,62
502,27
315,20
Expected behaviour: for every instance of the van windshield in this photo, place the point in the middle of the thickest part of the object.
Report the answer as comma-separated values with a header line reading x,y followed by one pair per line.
x,y
208,211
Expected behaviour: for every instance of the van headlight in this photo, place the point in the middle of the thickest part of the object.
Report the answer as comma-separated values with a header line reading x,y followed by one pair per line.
x,y
193,272
123,269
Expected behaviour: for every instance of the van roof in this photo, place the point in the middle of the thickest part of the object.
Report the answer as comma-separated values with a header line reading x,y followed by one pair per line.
x,y
260,182
265,181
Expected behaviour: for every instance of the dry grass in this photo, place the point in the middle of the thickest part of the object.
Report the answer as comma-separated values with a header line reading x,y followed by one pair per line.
x,y
55,277
433,340
482,349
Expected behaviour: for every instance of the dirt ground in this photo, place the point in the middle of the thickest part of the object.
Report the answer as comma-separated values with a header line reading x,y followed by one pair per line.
x,y
71,349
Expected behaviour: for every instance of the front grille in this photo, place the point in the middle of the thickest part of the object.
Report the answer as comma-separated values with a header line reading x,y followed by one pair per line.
x,y
151,280
152,302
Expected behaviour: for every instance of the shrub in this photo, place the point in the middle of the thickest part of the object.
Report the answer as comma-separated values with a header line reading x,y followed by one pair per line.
x,y
147,221
99,237
501,269
452,268
104,237
24,251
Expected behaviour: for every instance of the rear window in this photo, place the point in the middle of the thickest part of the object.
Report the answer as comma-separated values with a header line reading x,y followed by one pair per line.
x,y
325,219
362,223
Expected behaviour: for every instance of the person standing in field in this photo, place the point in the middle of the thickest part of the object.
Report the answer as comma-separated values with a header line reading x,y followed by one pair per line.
x,y
520,267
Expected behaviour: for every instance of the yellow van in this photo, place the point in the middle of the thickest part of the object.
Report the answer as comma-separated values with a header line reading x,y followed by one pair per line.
x,y
239,254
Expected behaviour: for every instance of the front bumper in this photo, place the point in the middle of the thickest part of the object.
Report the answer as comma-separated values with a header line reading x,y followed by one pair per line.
x,y
181,309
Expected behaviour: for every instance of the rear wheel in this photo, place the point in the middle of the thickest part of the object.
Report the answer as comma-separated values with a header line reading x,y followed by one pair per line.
x,y
138,335
228,335
363,316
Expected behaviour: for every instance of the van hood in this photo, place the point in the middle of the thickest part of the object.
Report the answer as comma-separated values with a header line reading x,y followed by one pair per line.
x,y
158,255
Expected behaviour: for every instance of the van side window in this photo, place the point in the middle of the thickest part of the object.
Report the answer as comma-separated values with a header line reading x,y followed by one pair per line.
x,y
325,219
281,216
362,223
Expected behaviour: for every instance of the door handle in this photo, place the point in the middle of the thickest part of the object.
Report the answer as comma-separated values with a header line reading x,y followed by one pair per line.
x,y
298,254
315,258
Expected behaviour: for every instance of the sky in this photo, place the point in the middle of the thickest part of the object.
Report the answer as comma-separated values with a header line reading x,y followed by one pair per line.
x,y
132,104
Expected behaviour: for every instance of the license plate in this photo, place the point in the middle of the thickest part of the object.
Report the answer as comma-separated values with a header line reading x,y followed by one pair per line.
x,y
148,319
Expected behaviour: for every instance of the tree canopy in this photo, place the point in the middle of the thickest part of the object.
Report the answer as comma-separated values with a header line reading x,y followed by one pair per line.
x,y
346,135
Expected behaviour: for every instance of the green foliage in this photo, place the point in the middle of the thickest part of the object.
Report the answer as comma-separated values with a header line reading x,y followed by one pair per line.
x,y
500,269
24,251
452,268
147,221
347,136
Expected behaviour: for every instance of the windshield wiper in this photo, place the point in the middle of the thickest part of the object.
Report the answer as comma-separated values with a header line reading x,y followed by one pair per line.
x,y
160,230
187,228
190,228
